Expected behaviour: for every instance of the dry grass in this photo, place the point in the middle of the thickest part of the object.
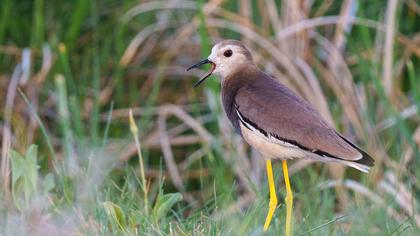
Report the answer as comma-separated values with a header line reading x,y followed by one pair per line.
x,y
356,62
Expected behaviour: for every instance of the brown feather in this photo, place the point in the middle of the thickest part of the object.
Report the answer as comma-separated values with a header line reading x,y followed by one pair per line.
x,y
276,110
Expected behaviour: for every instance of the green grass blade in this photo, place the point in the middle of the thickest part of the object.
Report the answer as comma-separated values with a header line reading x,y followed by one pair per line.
x,y
80,13
37,36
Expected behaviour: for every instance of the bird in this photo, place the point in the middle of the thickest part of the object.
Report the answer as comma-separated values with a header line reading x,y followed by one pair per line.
x,y
274,120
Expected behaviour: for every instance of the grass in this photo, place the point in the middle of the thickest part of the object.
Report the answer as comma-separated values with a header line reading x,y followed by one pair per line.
x,y
71,157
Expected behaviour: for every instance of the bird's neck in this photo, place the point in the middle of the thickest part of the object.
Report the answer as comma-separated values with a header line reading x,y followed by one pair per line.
x,y
239,75
230,86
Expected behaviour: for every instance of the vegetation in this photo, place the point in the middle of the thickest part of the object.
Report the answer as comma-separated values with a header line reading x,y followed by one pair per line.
x,y
71,70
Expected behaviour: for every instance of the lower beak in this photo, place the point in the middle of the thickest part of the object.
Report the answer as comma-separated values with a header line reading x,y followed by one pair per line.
x,y
206,61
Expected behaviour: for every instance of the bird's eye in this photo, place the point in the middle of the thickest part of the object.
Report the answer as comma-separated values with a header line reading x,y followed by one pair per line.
x,y
227,53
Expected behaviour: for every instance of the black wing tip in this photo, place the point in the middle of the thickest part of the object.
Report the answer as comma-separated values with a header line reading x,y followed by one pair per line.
x,y
366,158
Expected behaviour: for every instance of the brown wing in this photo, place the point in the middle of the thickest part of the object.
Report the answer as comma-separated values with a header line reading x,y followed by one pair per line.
x,y
276,110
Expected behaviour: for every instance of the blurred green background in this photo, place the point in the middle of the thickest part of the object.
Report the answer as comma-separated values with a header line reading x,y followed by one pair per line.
x,y
71,70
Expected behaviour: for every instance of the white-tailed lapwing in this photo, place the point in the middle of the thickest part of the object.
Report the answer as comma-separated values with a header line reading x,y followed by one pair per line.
x,y
274,120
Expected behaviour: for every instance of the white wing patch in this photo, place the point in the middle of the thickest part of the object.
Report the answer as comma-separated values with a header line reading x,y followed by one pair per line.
x,y
271,138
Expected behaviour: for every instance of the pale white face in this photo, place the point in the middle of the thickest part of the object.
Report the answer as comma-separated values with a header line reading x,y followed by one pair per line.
x,y
226,57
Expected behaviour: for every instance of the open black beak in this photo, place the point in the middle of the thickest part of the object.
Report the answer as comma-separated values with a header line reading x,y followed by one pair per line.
x,y
206,61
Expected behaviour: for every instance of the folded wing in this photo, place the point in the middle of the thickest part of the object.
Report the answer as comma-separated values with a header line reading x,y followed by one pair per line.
x,y
276,111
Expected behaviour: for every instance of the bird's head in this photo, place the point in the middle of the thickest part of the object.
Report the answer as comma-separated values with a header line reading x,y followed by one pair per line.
x,y
225,58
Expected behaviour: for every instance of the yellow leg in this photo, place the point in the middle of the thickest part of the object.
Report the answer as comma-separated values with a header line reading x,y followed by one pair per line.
x,y
289,199
273,198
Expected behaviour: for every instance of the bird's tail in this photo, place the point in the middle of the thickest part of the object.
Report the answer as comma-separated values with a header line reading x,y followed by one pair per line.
x,y
364,163
354,164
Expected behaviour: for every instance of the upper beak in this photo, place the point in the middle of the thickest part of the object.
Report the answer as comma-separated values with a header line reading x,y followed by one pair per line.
x,y
206,61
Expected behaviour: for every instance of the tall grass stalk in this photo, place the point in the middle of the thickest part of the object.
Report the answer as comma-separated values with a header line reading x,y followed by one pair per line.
x,y
45,134
135,131
38,24
63,111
